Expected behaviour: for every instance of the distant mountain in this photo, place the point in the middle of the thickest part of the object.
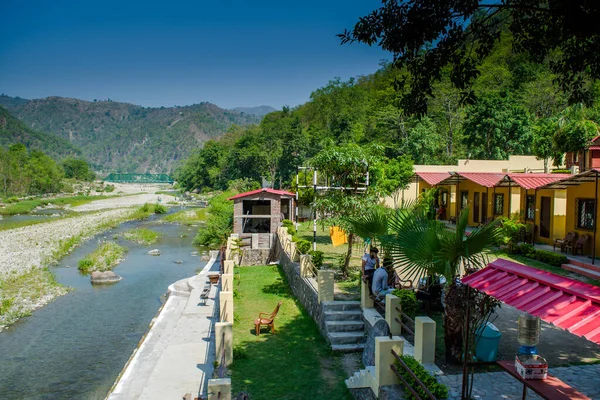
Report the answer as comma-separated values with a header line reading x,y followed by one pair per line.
x,y
124,137
14,131
258,111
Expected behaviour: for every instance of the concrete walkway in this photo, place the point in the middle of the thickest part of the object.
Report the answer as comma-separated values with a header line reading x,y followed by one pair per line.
x,y
500,385
176,356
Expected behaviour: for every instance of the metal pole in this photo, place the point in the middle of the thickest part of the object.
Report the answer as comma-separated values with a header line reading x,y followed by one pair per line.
x,y
494,203
315,211
465,380
297,191
534,216
487,199
509,199
595,223
458,207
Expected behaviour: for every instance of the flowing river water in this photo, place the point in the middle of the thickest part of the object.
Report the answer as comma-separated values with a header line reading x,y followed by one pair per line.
x,y
76,346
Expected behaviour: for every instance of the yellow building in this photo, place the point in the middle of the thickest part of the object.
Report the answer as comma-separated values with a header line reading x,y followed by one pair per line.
x,y
581,203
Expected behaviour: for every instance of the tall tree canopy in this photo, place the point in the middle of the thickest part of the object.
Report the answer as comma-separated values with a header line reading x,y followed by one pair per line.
x,y
426,36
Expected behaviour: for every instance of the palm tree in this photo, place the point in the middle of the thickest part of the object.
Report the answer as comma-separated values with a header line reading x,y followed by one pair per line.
x,y
420,247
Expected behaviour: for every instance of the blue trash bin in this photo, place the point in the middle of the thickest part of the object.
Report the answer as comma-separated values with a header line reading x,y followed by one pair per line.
x,y
488,339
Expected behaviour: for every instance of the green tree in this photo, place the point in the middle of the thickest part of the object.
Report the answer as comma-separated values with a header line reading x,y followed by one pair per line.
x,y
427,36
543,145
77,169
346,166
496,127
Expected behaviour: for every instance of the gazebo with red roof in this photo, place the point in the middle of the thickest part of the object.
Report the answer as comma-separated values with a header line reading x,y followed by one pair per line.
x,y
261,211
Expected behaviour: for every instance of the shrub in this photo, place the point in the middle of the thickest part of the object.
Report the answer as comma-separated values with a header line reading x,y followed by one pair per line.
x,y
5,305
408,301
12,200
290,227
303,246
109,188
145,207
526,249
561,171
439,391
551,258
317,258
160,209
85,264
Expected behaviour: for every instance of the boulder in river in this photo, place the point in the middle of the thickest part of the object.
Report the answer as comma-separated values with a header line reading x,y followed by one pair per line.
x,y
178,262
155,252
205,258
194,253
104,277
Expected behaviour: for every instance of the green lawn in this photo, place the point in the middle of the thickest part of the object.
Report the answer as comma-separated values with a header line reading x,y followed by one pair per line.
x,y
295,362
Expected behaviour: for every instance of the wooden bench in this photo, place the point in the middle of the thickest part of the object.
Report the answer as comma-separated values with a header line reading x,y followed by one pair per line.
x,y
550,388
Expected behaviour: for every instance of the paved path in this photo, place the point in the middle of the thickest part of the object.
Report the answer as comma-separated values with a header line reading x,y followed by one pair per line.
x,y
177,355
500,385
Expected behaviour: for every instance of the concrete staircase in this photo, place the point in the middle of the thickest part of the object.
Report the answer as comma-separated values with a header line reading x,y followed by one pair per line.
x,y
582,268
361,379
344,325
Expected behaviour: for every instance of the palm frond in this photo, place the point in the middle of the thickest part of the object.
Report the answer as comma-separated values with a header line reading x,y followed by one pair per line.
x,y
373,223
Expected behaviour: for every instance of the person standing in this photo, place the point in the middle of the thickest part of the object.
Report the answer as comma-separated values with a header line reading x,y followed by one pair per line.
x,y
370,261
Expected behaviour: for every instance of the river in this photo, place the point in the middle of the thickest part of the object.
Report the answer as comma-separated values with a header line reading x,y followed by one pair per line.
x,y
76,346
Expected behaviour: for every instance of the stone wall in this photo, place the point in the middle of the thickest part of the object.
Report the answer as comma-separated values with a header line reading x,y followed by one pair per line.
x,y
394,392
304,289
252,257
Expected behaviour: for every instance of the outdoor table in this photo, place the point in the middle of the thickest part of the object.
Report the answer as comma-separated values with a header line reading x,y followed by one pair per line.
x,y
549,388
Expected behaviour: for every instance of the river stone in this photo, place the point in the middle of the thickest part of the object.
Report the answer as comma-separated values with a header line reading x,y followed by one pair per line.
x,y
154,252
205,258
104,277
178,262
194,253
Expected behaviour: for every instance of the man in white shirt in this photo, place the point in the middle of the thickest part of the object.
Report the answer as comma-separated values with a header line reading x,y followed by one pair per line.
x,y
370,261
380,283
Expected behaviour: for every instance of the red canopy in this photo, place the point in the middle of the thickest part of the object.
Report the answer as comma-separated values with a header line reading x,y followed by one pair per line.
x,y
534,181
563,302
487,179
433,178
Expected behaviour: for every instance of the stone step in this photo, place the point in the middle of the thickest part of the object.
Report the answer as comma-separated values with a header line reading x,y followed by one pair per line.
x,y
346,337
343,315
361,379
341,305
344,326
582,271
348,348
587,265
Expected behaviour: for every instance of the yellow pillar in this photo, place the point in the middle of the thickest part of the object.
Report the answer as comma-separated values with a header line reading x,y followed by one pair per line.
x,y
226,306
325,285
293,251
219,389
365,300
227,283
391,303
228,267
224,340
425,340
384,345
305,260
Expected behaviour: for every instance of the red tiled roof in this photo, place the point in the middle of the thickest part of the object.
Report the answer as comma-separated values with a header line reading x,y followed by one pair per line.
x,y
266,190
487,179
594,148
534,181
433,178
563,302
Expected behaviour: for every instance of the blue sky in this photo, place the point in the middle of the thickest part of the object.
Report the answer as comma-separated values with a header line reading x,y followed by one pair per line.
x,y
155,53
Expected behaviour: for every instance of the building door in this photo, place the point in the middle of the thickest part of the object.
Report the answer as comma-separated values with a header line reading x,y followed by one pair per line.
x,y
484,206
476,207
545,217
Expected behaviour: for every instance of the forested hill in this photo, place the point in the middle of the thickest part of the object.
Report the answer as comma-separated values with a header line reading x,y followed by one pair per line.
x,y
517,108
259,111
14,131
127,137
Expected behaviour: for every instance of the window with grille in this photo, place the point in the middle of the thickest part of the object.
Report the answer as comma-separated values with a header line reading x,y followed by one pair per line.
x,y
499,204
530,208
585,213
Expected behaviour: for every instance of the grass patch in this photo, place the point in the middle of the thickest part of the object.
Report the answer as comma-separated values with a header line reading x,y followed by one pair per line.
x,y
306,367
187,217
147,210
104,258
21,294
26,206
142,236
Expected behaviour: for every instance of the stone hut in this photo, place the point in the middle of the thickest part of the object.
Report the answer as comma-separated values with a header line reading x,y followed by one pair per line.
x,y
261,211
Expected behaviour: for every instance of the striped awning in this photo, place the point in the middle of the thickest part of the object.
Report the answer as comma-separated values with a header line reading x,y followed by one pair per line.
x,y
563,302
432,178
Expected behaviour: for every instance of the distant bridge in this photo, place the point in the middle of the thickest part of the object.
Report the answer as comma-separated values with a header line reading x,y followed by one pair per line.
x,y
139,178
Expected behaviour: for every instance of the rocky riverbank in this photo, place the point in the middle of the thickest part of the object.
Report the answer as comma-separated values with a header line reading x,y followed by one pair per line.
x,y
26,283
